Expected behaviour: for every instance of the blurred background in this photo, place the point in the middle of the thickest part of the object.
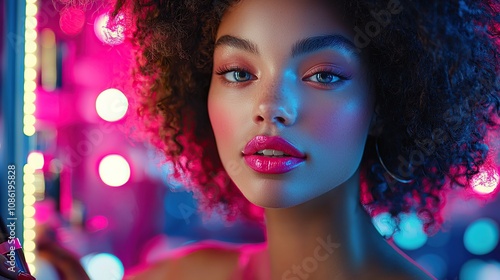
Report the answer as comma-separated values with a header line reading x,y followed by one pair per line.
x,y
86,190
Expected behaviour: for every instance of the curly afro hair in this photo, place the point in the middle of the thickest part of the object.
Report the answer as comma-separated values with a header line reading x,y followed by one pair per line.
x,y
434,69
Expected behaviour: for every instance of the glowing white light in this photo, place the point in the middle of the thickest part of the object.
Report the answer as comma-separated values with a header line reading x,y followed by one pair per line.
x,y
29,199
29,223
29,120
29,178
30,60
33,269
114,170
29,95
31,22
111,36
29,234
111,105
29,211
29,110
35,159
31,9
103,266
30,47
29,245
29,130
30,74
30,34
28,169
29,256
29,189
486,181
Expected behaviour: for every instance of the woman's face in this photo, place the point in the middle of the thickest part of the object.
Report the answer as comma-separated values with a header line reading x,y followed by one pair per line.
x,y
289,100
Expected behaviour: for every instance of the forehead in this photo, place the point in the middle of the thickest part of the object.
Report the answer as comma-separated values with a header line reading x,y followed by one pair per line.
x,y
278,20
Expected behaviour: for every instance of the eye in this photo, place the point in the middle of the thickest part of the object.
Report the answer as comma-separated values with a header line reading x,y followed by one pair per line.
x,y
324,78
235,75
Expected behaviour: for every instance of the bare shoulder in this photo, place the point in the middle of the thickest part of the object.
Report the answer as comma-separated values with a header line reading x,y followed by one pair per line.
x,y
205,260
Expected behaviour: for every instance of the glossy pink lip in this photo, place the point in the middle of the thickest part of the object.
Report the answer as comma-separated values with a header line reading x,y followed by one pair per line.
x,y
272,164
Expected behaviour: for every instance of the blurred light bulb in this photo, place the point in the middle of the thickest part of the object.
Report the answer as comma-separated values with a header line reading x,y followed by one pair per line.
x,y
114,170
111,105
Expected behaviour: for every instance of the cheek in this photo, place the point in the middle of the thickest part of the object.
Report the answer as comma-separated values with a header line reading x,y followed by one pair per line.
x,y
342,126
225,117
216,113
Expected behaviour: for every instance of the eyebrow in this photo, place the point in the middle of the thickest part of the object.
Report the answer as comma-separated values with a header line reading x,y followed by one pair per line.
x,y
317,43
303,46
238,43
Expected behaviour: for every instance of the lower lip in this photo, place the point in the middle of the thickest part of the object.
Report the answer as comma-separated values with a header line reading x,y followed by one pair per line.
x,y
272,165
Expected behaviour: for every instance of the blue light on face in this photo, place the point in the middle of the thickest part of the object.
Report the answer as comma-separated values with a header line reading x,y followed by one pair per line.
x,y
411,234
481,237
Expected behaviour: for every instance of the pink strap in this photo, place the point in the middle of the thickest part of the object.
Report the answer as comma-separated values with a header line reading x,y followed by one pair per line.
x,y
6,246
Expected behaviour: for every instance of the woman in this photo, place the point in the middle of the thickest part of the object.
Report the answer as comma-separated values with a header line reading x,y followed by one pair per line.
x,y
301,108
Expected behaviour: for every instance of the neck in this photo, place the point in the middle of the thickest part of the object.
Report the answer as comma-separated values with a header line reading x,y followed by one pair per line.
x,y
319,234
329,237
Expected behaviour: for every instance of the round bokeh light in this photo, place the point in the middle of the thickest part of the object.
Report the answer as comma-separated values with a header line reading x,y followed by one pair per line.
x,y
111,105
481,237
103,266
110,33
486,181
35,159
114,170
410,235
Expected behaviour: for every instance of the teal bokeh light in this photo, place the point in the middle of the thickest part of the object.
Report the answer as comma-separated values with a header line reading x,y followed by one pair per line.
x,y
103,266
471,269
411,235
476,269
481,237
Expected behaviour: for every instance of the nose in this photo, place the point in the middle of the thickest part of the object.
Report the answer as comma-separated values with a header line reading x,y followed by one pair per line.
x,y
276,105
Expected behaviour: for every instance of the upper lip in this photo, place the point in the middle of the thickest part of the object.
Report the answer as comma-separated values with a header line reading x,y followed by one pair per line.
x,y
262,142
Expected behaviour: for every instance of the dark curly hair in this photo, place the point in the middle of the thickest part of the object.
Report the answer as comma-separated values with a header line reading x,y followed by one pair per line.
x,y
434,70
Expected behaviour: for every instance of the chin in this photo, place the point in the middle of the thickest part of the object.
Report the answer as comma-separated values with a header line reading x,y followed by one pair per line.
x,y
273,196
274,203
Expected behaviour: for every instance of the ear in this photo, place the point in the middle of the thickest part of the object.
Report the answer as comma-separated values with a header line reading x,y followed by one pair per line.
x,y
376,124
